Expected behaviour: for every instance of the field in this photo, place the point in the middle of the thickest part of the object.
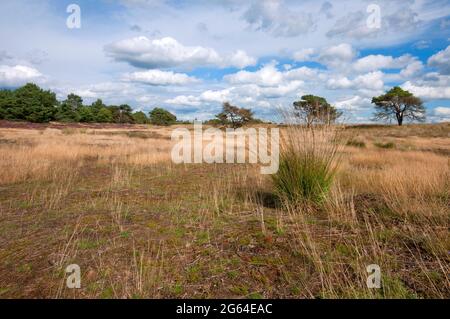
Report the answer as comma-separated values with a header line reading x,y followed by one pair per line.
x,y
109,199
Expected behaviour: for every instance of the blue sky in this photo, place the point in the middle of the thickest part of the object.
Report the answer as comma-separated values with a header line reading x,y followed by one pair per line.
x,y
190,56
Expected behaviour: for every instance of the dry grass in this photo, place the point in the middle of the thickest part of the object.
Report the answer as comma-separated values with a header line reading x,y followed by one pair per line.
x,y
110,201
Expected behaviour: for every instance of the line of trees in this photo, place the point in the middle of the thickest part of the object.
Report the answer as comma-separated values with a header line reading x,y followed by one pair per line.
x,y
33,104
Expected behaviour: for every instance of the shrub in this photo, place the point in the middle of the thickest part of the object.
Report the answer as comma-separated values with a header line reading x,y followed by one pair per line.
x,y
308,163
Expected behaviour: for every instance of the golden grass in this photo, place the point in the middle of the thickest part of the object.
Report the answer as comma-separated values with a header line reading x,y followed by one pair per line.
x,y
141,227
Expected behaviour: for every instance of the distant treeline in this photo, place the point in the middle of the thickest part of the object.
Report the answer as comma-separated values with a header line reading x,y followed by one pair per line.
x,y
33,104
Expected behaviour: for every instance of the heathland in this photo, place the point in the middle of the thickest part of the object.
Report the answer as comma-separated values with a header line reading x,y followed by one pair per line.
x,y
109,198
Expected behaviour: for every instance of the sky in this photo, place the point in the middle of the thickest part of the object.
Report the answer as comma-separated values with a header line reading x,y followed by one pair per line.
x,y
191,56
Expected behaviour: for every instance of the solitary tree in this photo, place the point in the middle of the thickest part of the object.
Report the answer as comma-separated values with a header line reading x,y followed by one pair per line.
x,y
400,105
313,109
234,116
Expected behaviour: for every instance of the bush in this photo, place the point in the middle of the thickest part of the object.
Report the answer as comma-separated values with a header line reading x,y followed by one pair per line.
x,y
308,163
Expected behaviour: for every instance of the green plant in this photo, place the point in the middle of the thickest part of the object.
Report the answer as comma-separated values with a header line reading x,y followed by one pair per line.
x,y
308,163
356,143
387,145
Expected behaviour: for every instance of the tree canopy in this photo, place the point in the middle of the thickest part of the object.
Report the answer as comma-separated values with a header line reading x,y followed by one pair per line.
x,y
398,104
31,103
234,115
315,109
159,116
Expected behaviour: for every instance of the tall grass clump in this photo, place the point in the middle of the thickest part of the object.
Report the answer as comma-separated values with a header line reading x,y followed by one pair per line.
x,y
308,163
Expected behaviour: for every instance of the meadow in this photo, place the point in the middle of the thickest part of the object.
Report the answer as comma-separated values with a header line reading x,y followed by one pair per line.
x,y
109,199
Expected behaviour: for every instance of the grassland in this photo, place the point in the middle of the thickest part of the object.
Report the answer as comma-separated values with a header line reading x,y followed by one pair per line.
x,y
110,200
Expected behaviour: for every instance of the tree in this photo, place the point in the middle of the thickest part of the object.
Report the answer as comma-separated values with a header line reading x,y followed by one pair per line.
x,y
104,115
68,110
86,114
313,109
234,116
122,113
159,116
34,104
7,102
398,104
140,118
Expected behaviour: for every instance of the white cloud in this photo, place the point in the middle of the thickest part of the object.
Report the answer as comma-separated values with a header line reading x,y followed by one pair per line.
x,y
354,103
369,81
304,54
184,100
12,76
168,52
427,91
441,61
266,76
341,82
442,111
440,114
372,81
160,78
412,69
336,56
377,62
275,17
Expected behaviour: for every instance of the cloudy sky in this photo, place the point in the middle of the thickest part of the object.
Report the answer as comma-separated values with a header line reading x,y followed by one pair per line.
x,y
190,56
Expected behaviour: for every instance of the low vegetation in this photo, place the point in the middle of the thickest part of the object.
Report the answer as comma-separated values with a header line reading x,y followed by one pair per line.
x,y
110,201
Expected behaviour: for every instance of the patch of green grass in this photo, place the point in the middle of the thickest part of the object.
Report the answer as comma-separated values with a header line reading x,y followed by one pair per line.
x,y
303,177
177,289
255,295
107,293
387,145
125,234
85,244
356,143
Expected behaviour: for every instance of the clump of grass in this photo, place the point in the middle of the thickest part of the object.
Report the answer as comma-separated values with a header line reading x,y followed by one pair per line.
x,y
356,143
308,163
387,145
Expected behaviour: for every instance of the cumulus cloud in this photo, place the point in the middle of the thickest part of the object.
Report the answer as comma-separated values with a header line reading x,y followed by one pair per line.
x,y
378,61
440,114
442,111
426,91
167,52
275,17
188,100
370,81
354,103
304,54
441,61
354,24
12,76
160,78
336,56
266,76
